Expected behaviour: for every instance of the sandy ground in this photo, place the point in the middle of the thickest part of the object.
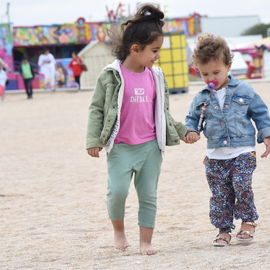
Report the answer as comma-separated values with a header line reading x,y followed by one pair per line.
x,y
52,196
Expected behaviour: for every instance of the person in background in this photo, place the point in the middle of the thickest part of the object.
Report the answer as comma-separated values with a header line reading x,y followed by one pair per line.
x,y
61,75
3,64
47,63
76,66
259,59
3,81
28,74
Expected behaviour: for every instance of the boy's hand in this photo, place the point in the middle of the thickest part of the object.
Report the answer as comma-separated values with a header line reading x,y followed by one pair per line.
x,y
267,144
191,137
94,151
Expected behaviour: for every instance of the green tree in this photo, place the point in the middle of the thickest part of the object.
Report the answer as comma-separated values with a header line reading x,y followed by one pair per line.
x,y
257,29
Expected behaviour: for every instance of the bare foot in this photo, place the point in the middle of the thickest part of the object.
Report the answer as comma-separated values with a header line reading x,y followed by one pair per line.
x,y
120,241
147,249
145,241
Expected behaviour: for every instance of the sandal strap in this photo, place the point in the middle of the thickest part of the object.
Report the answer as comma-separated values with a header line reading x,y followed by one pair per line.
x,y
250,223
246,233
218,237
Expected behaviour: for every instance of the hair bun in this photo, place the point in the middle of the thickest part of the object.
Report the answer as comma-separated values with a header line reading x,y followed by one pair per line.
x,y
151,12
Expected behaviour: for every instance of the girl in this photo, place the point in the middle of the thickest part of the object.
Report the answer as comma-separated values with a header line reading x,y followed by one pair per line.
x,y
227,106
129,115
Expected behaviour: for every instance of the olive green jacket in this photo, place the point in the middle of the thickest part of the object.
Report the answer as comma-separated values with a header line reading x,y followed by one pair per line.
x,y
105,109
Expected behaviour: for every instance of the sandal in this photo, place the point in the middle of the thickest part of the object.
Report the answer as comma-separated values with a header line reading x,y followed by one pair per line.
x,y
222,241
249,234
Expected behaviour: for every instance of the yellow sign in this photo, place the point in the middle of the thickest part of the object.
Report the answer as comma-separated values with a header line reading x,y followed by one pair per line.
x,y
173,61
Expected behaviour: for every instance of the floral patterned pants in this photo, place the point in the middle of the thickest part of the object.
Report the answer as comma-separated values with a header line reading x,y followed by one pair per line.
x,y
230,182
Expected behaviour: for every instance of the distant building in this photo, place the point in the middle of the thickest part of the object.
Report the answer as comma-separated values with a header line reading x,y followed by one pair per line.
x,y
19,41
228,26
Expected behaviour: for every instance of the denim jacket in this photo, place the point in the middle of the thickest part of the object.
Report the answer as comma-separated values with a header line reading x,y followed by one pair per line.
x,y
230,126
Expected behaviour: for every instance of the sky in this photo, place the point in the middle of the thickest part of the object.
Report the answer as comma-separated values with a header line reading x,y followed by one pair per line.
x,y
47,12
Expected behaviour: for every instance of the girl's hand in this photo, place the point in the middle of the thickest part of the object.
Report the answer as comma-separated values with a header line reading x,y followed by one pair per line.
x,y
94,151
267,144
191,137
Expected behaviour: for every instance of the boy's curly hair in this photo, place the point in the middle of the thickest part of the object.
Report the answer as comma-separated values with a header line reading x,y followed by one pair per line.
x,y
211,47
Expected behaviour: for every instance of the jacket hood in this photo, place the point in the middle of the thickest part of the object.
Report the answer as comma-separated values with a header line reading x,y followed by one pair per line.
x,y
115,65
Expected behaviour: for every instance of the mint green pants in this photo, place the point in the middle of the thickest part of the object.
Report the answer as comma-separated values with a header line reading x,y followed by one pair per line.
x,y
144,162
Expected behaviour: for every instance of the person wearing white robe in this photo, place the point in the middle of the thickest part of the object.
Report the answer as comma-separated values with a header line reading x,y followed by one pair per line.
x,y
46,63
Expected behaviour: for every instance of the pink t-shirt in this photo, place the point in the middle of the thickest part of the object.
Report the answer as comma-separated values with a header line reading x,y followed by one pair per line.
x,y
137,121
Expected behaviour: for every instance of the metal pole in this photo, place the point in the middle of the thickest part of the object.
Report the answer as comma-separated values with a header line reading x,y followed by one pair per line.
x,y
7,13
268,32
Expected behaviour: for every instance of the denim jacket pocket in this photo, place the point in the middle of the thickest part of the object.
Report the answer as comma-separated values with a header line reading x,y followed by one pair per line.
x,y
240,104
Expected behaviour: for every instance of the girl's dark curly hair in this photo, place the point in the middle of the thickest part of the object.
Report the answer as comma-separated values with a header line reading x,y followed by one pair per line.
x,y
211,47
144,28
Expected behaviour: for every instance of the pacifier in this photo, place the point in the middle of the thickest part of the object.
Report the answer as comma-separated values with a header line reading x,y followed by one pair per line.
x,y
212,85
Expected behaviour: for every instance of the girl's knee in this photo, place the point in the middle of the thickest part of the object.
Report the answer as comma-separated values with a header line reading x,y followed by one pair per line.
x,y
117,194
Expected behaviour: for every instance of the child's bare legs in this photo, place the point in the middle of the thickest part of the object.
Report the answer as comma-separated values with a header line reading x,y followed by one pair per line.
x,y
120,241
145,241
147,160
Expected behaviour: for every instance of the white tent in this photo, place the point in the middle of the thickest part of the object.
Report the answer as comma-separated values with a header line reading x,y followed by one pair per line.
x,y
239,66
266,65
96,55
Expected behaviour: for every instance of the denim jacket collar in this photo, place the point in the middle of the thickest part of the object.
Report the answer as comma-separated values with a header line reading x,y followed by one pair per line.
x,y
233,82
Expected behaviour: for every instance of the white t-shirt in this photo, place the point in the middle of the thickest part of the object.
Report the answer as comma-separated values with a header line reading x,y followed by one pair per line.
x,y
46,62
3,77
226,152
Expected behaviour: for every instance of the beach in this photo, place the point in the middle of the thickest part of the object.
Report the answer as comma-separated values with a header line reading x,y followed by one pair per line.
x,y
53,196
